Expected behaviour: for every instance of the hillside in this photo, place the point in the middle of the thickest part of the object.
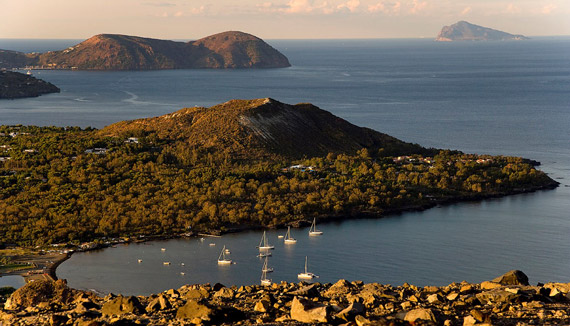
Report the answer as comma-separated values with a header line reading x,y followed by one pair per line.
x,y
264,127
16,85
464,31
123,52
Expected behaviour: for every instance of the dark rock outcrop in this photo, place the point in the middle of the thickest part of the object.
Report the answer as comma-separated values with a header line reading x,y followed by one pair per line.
x,y
464,31
17,85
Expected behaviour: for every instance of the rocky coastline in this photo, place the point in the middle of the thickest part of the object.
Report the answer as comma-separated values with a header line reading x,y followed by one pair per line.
x,y
506,300
14,85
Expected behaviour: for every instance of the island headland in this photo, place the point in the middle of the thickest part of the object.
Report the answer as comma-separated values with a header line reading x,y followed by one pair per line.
x,y
464,31
15,85
225,50
237,165
506,300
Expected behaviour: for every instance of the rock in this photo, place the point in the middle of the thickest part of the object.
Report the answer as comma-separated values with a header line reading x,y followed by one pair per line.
x,y
497,296
452,296
514,277
420,313
488,285
341,287
224,293
309,291
406,305
196,294
469,321
160,303
35,292
58,320
434,298
173,293
193,309
361,321
307,311
465,289
354,309
262,306
122,305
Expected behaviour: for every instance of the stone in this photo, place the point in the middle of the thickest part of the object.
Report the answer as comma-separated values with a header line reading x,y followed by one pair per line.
x,y
262,306
307,311
309,291
361,321
514,277
341,287
452,296
196,294
122,305
35,292
479,316
173,293
159,303
497,296
469,321
193,309
354,309
434,298
468,288
224,293
406,305
489,285
420,313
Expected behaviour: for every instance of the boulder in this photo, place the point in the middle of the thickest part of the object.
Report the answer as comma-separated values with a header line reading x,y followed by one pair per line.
x,y
341,287
489,285
514,277
350,312
35,292
309,291
434,299
196,294
122,305
159,303
420,313
224,293
307,311
262,306
497,296
192,310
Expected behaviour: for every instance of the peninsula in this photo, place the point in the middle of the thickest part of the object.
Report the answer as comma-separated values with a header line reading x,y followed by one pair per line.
x,y
122,52
464,31
240,164
17,85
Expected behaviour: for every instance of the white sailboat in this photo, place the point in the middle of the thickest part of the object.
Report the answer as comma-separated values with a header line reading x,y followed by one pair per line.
x,y
313,230
288,238
264,254
263,244
306,275
264,271
222,259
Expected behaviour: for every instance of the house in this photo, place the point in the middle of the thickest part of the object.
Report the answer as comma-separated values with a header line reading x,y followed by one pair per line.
x,y
132,140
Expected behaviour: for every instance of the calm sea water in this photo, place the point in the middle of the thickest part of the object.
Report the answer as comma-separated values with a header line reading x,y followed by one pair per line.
x,y
508,98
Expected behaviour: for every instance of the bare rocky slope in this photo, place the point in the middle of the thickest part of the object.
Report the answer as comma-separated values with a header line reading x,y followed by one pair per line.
x,y
464,31
262,128
122,52
506,300
17,85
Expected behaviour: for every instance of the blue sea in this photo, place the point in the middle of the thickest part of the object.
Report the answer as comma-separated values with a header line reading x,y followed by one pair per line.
x,y
501,98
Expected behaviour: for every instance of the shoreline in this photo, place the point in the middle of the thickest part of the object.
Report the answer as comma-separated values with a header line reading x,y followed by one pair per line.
x,y
50,269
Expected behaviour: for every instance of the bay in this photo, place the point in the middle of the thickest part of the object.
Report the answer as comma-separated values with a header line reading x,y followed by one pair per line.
x,y
508,98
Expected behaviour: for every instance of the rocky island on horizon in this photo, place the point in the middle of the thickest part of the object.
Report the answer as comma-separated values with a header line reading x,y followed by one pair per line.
x,y
465,31
227,50
15,85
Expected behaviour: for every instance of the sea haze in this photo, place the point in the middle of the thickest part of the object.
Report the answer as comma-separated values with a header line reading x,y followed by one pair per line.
x,y
507,98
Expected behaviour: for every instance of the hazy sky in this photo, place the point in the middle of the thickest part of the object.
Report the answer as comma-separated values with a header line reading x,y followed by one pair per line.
x,y
191,19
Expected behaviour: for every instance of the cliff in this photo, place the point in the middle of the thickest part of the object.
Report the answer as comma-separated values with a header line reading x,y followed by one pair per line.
x,y
264,127
16,85
123,52
464,31
506,300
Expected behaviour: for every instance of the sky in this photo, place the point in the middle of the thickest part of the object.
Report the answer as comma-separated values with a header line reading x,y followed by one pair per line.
x,y
276,19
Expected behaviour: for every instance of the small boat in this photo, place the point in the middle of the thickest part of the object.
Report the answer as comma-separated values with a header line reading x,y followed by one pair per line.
x,y
306,275
264,279
263,244
288,238
166,263
182,273
280,236
227,251
266,268
313,230
29,72
162,249
264,254
139,261
181,264
202,239
212,244
222,259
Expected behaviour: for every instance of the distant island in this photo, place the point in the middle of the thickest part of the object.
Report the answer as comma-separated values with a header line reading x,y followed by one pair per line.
x,y
122,52
236,165
464,31
17,85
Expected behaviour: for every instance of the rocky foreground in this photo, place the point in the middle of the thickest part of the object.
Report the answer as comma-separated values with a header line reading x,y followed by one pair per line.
x,y
507,300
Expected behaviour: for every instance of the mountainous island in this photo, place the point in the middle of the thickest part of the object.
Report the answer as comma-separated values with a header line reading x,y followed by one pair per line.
x,y
225,50
17,85
464,31
236,165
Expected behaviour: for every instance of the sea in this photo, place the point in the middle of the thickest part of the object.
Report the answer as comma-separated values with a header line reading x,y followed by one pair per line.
x,y
500,98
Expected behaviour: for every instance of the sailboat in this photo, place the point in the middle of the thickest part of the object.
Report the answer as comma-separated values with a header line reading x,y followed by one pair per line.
x,y
222,259
306,275
288,237
264,271
313,230
263,244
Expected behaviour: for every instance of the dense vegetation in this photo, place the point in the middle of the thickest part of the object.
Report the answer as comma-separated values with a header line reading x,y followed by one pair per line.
x,y
52,190
17,85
